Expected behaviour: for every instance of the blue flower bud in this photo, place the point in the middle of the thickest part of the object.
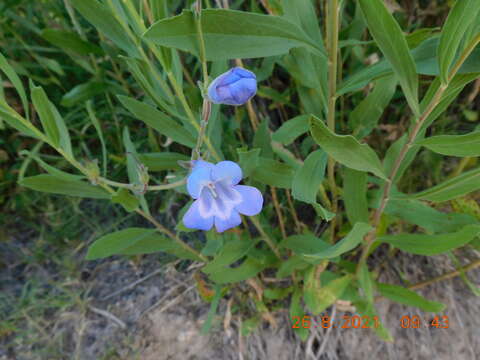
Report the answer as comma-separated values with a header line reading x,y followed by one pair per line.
x,y
235,87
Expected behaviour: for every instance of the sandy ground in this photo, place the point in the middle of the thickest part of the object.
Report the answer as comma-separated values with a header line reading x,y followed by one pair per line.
x,y
143,311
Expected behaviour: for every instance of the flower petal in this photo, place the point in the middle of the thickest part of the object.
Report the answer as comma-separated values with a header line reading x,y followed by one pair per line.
x,y
197,179
227,170
224,224
242,91
252,200
193,219
198,164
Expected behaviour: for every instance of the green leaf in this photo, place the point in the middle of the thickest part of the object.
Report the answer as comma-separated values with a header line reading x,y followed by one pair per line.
x,y
262,139
126,199
212,311
16,82
304,244
248,160
391,40
346,149
292,129
57,185
454,145
287,267
50,169
105,22
116,242
159,121
354,237
366,282
456,25
364,118
231,252
273,173
134,241
70,41
296,310
302,13
367,309
308,179
12,118
453,188
83,92
432,244
433,221
162,161
52,121
355,195
317,297
47,117
409,297
155,243
249,268
231,34
426,63
98,128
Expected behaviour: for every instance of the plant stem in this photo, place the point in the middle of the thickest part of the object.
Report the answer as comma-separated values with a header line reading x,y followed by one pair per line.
x,y
473,265
333,13
371,236
265,236
167,186
278,210
170,234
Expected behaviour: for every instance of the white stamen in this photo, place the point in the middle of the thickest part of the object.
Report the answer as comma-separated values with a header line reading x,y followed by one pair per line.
x,y
211,187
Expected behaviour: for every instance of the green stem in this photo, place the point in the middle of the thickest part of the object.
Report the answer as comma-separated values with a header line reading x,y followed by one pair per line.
x,y
265,236
333,14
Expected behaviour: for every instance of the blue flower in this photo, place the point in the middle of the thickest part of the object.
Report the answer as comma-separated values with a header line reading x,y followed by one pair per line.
x,y
235,87
218,198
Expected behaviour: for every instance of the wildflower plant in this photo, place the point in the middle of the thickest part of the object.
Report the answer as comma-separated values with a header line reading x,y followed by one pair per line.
x,y
295,191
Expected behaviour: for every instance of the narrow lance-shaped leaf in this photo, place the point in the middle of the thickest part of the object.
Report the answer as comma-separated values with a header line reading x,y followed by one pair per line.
x,y
409,297
458,21
432,244
322,297
106,23
354,237
60,185
454,145
273,173
51,119
292,129
391,40
231,34
346,149
16,82
159,121
364,118
366,282
355,195
453,188
134,241
308,179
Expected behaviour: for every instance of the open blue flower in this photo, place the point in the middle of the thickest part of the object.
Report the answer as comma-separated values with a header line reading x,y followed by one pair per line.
x,y
235,87
218,198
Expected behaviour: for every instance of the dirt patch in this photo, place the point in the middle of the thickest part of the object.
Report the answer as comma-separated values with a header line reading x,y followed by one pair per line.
x,y
121,309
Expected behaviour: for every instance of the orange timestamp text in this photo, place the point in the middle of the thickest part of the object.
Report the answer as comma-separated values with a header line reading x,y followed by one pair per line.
x,y
416,322
346,322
